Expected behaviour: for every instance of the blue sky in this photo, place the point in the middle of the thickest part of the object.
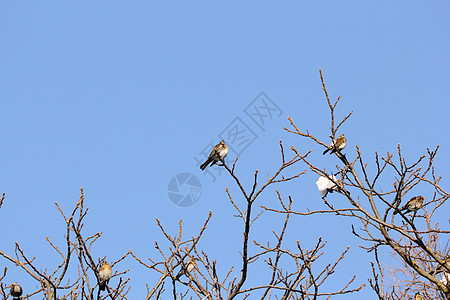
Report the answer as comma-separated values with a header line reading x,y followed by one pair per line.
x,y
119,97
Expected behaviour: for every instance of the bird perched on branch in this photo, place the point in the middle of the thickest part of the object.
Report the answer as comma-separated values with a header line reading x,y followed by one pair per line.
x,y
104,274
187,268
418,297
337,145
412,205
16,290
218,153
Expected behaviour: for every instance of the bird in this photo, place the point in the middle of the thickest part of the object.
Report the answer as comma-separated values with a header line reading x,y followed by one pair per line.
x,y
218,153
337,145
187,268
104,274
440,268
412,205
418,297
16,290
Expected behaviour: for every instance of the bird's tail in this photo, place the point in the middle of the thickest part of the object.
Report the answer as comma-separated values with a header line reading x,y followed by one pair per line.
x,y
325,152
102,286
179,274
402,209
399,210
205,164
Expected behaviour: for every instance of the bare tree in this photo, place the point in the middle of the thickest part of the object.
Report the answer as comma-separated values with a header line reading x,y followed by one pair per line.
x,y
292,279
289,274
376,207
59,284
183,269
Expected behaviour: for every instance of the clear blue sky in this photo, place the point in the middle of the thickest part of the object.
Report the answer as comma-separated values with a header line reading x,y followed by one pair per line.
x,y
119,97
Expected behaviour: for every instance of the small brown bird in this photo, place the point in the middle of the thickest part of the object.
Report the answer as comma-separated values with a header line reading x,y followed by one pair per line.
x,y
218,153
187,268
418,297
440,268
337,145
16,290
104,274
412,205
